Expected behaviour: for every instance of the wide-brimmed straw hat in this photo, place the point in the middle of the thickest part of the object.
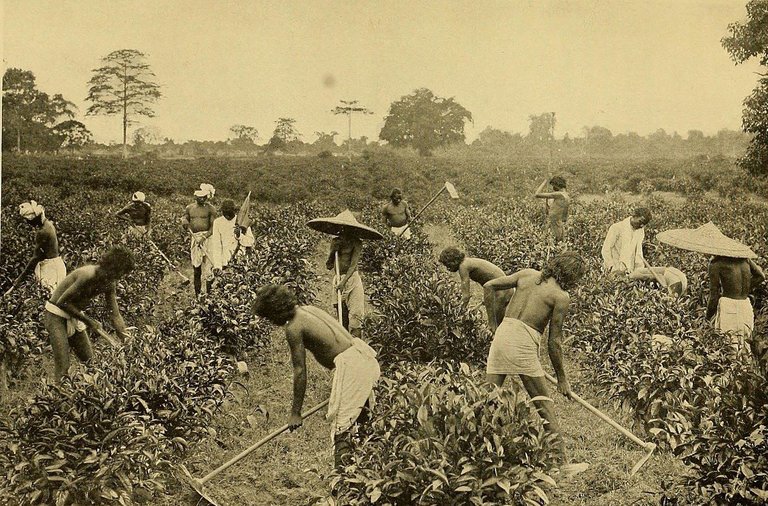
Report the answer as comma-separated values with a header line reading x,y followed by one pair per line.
x,y
345,220
706,239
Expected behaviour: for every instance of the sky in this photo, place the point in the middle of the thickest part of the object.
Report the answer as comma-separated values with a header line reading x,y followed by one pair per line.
x,y
627,65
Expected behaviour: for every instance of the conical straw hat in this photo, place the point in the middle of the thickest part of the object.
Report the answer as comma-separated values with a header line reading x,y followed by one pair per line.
x,y
706,239
341,222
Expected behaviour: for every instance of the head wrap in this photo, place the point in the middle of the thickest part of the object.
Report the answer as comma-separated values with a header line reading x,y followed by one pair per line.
x,y
201,193
31,210
208,189
138,197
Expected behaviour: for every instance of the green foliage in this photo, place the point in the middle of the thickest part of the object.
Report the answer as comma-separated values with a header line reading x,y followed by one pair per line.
x,y
440,434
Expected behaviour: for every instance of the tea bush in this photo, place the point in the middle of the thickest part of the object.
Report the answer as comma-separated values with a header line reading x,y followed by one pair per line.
x,y
440,434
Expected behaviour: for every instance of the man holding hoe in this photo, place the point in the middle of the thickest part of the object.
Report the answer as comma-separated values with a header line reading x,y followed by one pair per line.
x,y
540,298
138,214
397,214
198,219
48,266
64,318
558,201
480,271
354,363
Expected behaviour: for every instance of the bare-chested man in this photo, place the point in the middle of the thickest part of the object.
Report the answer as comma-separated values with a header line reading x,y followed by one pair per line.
x,y
397,214
540,298
356,369
138,213
558,202
198,219
730,282
480,271
349,248
48,266
64,318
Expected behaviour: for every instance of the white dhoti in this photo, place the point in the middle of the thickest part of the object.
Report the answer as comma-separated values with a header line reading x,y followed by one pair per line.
x,y
198,251
354,377
735,316
398,230
50,272
73,324
515,350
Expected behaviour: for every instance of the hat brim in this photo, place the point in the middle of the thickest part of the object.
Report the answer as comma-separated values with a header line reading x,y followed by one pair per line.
x,y
335,226
705,240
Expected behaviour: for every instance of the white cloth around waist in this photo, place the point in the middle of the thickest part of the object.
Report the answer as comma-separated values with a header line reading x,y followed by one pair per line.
x,y
515,350
73,324
735,315
399,230
356,373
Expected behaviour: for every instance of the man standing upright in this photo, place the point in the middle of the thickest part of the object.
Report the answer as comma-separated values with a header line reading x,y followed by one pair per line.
x,y
730,282
397,214
228,237
138,213
558,202
349,247
198,219
48,266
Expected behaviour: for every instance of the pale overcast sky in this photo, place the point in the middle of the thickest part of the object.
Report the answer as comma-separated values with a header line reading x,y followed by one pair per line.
x,y
630,65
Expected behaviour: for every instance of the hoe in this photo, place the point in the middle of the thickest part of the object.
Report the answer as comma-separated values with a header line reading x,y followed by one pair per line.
x,y
185,280
446,187
199,483
650,447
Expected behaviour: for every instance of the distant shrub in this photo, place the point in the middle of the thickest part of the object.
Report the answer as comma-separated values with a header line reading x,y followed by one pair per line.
x,y
325,154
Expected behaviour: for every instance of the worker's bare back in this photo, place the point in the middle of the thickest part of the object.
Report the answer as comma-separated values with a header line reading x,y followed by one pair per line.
x,y
80,287
734,274
534,302
558,207
47,241
481,271
321,334
200,217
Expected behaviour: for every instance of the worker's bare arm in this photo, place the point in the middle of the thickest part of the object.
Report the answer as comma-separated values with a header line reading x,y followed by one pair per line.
x,y
714,289
506,282
465,291
299,362
550,195
110,302
559,311
71,294
757,272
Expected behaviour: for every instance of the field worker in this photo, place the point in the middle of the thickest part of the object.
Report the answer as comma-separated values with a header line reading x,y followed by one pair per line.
x,y
64,318
356,369
48,266
480,271
540,298
349,247
198,219
209,190
558,201
397,214
623,253
138,213
730,282
228,237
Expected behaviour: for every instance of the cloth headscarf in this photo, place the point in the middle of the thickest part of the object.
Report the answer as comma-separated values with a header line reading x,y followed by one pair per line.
x,y
208,189
138,197
31,210
201,193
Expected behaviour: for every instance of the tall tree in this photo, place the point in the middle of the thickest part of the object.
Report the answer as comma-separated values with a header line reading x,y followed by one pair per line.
x,y
424,121
29,113
748,40
542,128
285,134
350,107
123,85
243,133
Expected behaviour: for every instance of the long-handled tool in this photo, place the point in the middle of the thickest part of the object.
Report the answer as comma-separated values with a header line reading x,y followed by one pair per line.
x,y
446,187
645,444
199,484
173,266
338,290
661,280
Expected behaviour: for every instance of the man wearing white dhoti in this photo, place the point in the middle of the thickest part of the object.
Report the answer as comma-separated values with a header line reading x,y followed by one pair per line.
x,y
48,266
354,363
198,219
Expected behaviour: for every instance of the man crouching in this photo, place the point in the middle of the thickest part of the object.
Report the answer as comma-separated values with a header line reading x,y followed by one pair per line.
x,y
356,369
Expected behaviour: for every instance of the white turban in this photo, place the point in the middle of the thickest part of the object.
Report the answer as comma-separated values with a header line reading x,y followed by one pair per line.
x,y
31,210
138,197
208,189
201,193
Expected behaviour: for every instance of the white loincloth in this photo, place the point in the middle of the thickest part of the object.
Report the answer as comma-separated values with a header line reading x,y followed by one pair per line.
x,y
198,251
354,377
73,324
736,316
397,230
50,272
515,350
